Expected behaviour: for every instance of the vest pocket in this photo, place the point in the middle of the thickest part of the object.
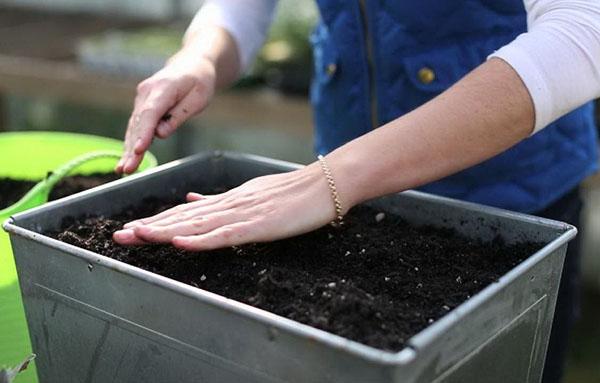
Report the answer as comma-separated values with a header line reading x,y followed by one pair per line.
x,y
436,70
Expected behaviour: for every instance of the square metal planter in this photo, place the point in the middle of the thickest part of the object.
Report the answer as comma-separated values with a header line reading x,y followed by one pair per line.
x,y
94,319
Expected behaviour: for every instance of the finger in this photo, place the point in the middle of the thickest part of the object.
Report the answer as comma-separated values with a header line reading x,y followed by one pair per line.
x,y
165,234
190,197
127,237
140,98
190,215
174,214
130,160
145,124
127,147
193,102
225,236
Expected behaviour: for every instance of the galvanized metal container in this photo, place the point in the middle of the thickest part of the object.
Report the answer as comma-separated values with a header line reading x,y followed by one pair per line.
x,y
94,319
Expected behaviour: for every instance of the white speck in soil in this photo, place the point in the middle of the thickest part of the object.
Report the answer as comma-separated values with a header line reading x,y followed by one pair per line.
x,y
331,285
329,236
458,279
386,279
203,278
379,217
430,320
362,251
262,271
347,253
358,235
419,285
253,264
446,308
416,269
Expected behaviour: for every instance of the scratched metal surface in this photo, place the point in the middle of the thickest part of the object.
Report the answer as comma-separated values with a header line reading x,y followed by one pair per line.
x,y
94,319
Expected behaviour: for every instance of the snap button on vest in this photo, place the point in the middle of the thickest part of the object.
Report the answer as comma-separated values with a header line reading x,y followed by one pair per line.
x,y
331,69
426,75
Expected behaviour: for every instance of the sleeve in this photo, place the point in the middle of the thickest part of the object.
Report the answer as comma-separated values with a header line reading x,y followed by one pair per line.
x,y
246,20
558,59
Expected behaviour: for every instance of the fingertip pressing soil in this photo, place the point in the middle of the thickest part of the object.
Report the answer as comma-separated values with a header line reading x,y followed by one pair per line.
x,y
377,280
11,190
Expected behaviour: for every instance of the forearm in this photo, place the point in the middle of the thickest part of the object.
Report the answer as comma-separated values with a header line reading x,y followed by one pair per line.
x,y
482,115
213,43
229,32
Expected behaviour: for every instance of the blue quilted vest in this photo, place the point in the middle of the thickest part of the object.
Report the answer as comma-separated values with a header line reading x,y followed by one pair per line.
x,y
376,60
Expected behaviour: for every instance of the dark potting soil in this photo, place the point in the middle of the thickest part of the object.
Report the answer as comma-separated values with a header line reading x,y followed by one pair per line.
x,y
75,184
12,190
376,281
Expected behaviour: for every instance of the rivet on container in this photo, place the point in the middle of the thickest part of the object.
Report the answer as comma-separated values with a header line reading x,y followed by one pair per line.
x,y
426,75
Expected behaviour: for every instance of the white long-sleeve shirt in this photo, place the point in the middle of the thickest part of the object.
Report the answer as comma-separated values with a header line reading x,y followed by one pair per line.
x,y
558,58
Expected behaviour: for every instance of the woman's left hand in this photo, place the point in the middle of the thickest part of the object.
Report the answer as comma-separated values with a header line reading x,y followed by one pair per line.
x,y
263,209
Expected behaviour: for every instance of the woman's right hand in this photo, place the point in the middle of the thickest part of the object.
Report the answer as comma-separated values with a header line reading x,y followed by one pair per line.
x,y
183,88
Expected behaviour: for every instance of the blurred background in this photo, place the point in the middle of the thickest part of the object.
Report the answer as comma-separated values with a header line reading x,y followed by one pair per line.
x,y
72,65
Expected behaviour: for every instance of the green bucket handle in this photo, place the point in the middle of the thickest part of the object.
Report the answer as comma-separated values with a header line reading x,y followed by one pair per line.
x,y
38,195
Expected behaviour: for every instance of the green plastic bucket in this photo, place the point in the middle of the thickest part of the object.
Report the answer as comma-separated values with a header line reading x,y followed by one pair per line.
x,y
30,156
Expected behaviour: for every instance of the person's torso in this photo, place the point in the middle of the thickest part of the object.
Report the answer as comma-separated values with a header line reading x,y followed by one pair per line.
x,y
377,60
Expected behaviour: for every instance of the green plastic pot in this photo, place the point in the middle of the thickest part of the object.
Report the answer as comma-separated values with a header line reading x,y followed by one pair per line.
x,y
30,156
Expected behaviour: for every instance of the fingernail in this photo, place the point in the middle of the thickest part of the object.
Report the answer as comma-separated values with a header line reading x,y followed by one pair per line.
x,y
178,241
121,235
192,197
163,129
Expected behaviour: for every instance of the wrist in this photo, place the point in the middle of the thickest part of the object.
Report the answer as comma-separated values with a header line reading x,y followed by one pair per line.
x,y
215,47
192,60
339,183
353,177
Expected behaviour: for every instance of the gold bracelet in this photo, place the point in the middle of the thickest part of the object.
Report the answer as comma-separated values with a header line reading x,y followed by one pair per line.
x,y
334,194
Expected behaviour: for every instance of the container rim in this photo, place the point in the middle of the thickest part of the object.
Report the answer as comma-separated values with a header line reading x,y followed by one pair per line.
x,y
402,357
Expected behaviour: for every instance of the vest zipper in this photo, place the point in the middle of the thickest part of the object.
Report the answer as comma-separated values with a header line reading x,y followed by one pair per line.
x,y
370,63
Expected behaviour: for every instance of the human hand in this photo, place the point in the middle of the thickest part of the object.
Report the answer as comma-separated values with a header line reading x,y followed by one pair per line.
x,y
263,209
183,88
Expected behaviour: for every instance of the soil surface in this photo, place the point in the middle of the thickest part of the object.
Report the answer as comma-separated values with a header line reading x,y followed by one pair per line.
x,y
75,184
377,280
12,190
